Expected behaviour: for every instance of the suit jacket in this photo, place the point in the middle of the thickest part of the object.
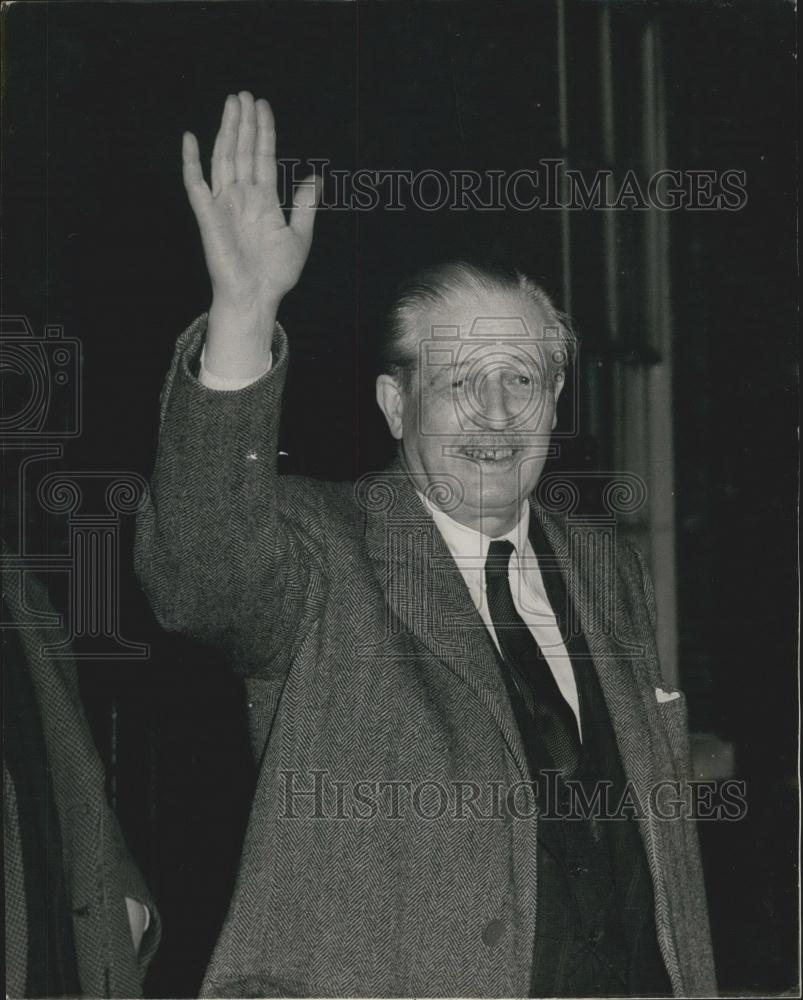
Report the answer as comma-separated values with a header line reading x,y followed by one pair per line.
x,y
366,661
99,871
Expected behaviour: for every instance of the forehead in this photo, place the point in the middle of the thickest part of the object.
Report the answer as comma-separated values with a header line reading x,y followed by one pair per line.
x,y
484,317
484,332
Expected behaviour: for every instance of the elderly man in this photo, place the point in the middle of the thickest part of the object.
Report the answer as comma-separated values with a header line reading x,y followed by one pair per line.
x,y
433,734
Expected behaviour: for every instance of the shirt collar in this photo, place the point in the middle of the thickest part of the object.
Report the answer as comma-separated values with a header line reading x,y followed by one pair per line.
x,y
467,542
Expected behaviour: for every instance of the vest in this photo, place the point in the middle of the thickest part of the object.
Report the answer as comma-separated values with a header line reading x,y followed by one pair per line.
x,y
595,917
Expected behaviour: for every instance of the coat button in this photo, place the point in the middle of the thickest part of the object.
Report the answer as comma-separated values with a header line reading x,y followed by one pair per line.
x,y
493,933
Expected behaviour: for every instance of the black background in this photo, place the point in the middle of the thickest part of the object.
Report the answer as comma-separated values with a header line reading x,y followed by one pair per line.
x,y
98,237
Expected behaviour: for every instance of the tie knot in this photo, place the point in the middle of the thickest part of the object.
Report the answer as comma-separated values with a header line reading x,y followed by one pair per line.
x,y
499,553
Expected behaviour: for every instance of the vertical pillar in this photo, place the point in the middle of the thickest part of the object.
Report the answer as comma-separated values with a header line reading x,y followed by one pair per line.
x,y
660,457
93,565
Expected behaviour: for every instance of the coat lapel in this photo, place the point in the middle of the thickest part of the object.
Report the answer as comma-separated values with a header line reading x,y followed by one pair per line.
x,y
588,573
426,594
591,579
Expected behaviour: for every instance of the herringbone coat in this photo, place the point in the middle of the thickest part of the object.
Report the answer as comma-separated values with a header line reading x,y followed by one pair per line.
x,y
99,869
365,661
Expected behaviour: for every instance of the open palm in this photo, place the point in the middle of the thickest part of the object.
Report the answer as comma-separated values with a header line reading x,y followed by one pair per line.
x,y
254,256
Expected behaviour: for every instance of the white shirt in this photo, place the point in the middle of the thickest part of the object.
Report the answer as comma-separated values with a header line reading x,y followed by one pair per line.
x,y
212,381
469,549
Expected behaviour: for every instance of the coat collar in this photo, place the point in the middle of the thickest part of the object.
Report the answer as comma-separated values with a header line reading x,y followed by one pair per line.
x,y
587,558
426,592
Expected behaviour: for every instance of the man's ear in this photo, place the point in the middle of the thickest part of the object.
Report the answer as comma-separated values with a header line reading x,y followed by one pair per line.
x,y
391,402
558,380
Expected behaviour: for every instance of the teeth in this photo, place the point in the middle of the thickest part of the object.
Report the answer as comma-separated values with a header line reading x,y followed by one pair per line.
x,y
488,454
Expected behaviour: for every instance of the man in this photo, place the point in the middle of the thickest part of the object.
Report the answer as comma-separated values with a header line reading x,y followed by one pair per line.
x,y
421,708
79,917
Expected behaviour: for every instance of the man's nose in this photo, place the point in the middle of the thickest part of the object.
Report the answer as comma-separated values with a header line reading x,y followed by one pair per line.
x,y
494,406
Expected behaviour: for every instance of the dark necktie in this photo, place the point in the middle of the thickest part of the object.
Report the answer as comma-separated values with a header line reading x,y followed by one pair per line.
x,y
554,718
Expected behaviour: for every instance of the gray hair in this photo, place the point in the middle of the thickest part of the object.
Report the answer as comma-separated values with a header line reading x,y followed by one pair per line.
x,y
436,286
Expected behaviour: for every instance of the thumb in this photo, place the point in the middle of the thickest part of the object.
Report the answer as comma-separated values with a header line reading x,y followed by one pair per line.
x,y
197,189
305,201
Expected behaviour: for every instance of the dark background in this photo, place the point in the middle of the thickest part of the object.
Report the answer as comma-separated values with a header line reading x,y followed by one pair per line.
x,y
98,237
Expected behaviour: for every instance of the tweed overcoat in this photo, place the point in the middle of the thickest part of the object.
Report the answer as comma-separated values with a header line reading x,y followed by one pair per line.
x,y
370,675
99,869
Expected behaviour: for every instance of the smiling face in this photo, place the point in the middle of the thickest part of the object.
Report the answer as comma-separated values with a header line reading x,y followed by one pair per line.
x,y
480,407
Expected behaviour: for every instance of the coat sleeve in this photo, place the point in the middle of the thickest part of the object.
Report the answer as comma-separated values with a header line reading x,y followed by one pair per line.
x,y
133,886
228,551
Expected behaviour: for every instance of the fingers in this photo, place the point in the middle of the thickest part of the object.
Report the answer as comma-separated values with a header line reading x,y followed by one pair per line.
x,y
244,159
197,190
305,202
245,147
223,166
265,162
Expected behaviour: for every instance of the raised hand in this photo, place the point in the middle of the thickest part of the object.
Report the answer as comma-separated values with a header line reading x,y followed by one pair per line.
x,y
253,255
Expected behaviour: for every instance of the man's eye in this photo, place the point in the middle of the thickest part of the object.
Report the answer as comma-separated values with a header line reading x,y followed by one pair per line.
x,y
517,381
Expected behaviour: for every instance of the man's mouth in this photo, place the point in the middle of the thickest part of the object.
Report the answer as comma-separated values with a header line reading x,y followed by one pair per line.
x,y
489,454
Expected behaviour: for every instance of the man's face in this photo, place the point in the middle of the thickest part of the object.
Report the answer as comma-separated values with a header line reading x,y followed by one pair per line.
x,y
481,407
